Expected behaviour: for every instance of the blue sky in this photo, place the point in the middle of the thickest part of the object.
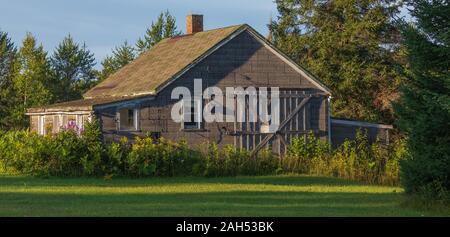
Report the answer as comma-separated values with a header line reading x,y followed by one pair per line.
x,y
104,24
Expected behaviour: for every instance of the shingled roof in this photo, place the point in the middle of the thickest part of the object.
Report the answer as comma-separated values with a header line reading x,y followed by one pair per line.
x,y
160,64
151,71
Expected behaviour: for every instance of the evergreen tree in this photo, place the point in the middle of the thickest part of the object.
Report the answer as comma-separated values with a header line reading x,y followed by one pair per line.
x,y
352,46
32,79
7,95
120,57
73,66
164,27
424,108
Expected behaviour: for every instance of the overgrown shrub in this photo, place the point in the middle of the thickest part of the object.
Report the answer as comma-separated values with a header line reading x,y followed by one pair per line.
x,y
164,158
94,160
233,161
70,153
115,162
28,153
354,159
305,154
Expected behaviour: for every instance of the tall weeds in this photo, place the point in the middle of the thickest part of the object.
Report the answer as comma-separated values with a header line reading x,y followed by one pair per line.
x,y
70,154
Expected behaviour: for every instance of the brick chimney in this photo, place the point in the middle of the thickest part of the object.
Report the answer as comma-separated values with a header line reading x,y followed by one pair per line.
x,y
194,24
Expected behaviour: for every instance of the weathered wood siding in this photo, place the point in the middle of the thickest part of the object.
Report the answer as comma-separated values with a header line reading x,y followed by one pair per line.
x,y
54,122
341,132
242,62
34,120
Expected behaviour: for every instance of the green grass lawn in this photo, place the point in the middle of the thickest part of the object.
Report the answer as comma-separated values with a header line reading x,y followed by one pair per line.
x,y
239,196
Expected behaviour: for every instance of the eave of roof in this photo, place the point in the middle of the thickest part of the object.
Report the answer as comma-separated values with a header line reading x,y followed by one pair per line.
x,y
81,105
352,122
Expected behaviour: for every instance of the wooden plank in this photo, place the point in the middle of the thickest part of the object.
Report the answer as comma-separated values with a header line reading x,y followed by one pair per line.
x,y
283,143
282,125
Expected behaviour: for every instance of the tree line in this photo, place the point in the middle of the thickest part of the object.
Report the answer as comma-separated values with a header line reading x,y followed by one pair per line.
x,y
382,67
30,76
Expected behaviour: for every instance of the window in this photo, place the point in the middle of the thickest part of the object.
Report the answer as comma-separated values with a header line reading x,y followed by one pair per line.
x,y
80,122
56,123
128,119
192,124
41,125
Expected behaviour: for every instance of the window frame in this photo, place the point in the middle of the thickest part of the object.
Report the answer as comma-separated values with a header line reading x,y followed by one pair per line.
x,y
135,126
200,123
41,125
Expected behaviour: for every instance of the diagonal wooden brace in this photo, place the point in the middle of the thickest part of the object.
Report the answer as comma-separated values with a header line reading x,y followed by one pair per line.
x,y
282,125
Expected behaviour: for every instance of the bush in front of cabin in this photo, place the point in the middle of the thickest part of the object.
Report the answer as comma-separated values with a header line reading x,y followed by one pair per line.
x,y
94,159
163,158
266,163
70,154
19,151
63,154
354,159
116,157
233,161
305,154
28,153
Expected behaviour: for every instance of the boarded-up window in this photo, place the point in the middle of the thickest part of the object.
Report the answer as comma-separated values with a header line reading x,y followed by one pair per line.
x,y
48,127
193,118
128,119
55,123
34,123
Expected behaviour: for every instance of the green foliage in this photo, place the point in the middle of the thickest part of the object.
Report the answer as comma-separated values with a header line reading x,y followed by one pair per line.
x,y
424,109
62,154
303,152
351,46
164,27
28,153
232,161
120,57
32,79
72,65
116,154
355,160
69,154
149,158
8,55
94,160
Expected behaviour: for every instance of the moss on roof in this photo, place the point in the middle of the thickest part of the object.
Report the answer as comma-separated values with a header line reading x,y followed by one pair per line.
x,y
159,64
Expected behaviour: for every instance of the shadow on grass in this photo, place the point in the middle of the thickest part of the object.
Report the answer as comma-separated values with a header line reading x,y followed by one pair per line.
x,y
297,180
236,203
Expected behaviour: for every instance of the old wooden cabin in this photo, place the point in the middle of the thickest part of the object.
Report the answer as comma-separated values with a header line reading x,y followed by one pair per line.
x,y
136,100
